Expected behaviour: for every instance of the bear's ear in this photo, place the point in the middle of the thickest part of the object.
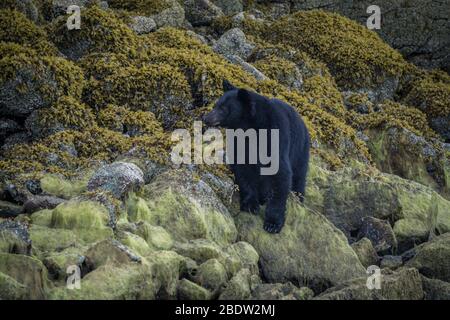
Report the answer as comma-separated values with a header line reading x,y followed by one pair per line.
x,y
227,86
246,99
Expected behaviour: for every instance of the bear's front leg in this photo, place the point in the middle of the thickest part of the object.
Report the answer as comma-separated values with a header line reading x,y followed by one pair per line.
x,y
246,178
276,207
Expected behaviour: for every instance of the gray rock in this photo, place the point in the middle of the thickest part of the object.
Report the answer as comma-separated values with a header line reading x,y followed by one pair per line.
x,y
14,238
201,12
234,42
59,7
7,127
247,67
35,203
379,232
143,25
366,198
8,209
365,252
27,7
118,178
170,17
22,102
229,7
391,262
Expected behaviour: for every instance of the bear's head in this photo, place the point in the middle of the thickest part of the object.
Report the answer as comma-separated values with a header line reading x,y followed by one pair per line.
x,y
234,109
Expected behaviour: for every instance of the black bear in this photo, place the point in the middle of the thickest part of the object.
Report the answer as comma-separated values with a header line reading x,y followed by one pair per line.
x,y
244,109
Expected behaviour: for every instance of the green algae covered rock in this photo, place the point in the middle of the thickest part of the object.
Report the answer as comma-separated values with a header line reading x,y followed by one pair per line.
x,y
432,258
188,209
366,252
156,237
108,282
188,290
87,219
63,188
10,289
20,29
211,275
27,272
309,250
281,291
110,252
52,239
240,286
404,284
348,195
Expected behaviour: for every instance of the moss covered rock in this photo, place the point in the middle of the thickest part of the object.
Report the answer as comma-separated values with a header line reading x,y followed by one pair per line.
x,y
404,284
366,252
66,114
187,208
211,275
10,289
111,283
30,81
333,39
281,291
188,290
27,272
240,286
102,31
87,219
309,250
432,258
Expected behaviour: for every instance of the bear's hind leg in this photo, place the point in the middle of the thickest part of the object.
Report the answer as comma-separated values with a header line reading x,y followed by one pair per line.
x,y
248,187
276,206
299,181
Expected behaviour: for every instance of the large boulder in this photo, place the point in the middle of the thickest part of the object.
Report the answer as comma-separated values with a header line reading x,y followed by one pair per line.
x,y
201,12
404,284
366,252
432,258
415,27
27,272
348,195
435,289
234,42
14,238
30,81
118,178
309,250
230,7
187,208
380,233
